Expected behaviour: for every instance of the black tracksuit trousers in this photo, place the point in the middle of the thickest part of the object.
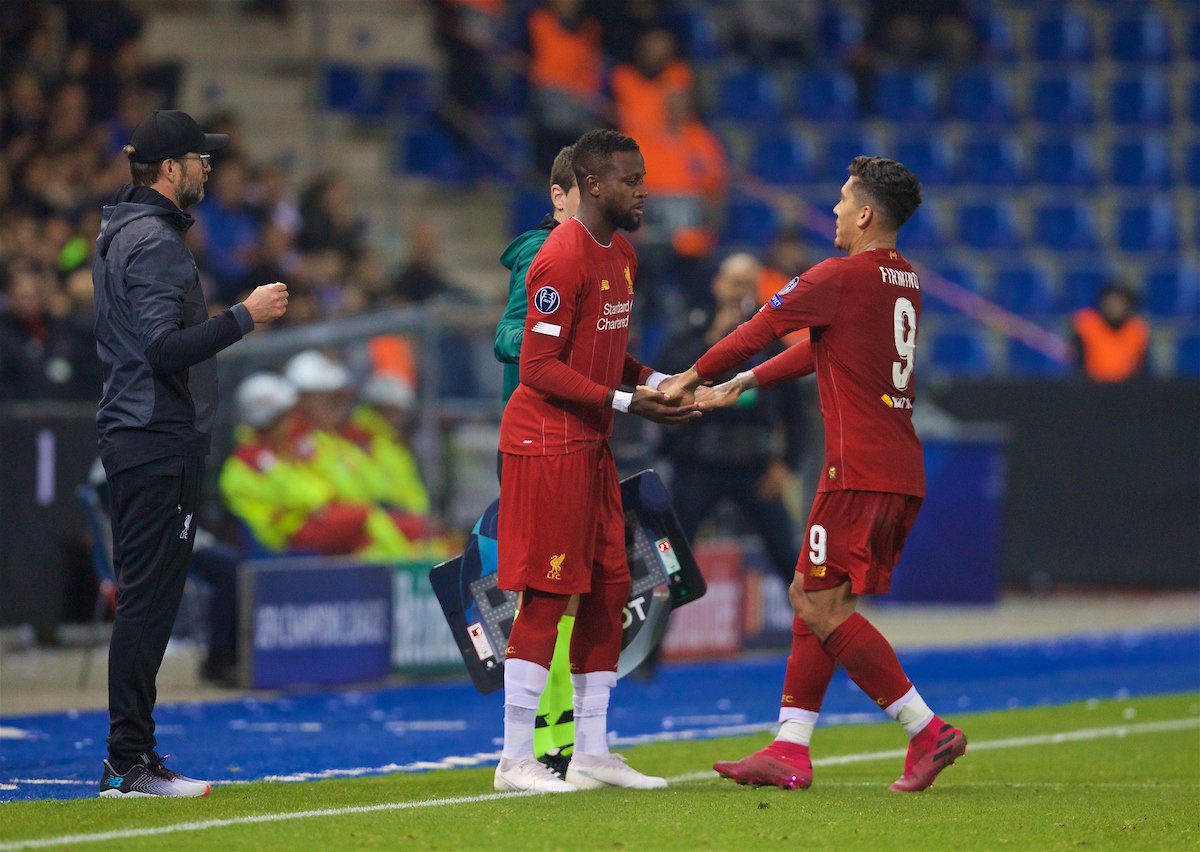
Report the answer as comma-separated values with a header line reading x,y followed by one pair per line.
x,y
153,520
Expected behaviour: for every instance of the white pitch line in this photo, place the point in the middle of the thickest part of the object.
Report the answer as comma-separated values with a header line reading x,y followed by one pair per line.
x,y
1081,735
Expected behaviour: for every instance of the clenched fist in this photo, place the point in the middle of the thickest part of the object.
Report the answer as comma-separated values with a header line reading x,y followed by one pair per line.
x,y
267,302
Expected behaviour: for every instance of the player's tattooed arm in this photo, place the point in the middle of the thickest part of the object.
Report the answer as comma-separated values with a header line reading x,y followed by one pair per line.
x,y
725,394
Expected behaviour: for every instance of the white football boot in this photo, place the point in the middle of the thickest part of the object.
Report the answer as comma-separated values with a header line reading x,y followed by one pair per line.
x,y
529,775
587,772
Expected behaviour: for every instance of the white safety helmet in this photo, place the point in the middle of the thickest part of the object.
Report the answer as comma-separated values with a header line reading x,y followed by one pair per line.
x,y
263,397
312,371
388,389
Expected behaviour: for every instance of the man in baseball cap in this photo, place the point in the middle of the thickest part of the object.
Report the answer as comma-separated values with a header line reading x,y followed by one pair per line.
x,y
168,134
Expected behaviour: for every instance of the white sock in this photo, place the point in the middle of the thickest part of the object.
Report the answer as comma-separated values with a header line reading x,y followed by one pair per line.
x,y
796,725
524,683
912,712
591,690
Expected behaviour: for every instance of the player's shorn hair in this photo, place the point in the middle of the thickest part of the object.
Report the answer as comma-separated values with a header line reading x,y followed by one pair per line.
x,y
561,173
893,190
594,150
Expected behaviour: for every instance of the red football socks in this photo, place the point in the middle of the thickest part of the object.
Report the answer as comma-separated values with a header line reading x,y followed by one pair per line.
x,y
869,660
809,670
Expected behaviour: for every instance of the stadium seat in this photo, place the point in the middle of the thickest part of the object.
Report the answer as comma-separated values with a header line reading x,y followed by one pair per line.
x,y
1080,287
981,95
349,89
1065,227
1062,97
960,275
928,156
1194,102
510,95
905,95
1140,38
1024,360
1187,356
924,229
991,160
1141,98
528,208
843,146
404,90
827,94
988,226
1172,292
750,95
1064,161
1193,41
697,31
993,32
432,151
1063,37
1148,227
782,156
1023,288
840,32
1142,162
750,221
963,353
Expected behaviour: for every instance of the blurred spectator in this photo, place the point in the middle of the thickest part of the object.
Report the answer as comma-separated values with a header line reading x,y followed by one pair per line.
x,y
640,88
275,259
787,258
909,31
566,73
623,22
229,123
329,219
745,454
273,200
777,29
230,230
43,356
420,279
1110,342
466,31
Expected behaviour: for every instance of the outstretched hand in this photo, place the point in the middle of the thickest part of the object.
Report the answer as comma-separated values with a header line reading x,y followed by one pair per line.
x,y
657,406
725,394
681,387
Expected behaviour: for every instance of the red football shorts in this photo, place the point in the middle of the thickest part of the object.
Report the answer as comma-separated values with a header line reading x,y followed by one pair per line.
x,y
856,536
561,527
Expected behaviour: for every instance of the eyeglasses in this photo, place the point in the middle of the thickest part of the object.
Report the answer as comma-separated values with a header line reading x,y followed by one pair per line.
x,y
203,158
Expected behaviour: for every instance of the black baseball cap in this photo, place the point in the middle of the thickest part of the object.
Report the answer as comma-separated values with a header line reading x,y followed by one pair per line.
x,y
168,134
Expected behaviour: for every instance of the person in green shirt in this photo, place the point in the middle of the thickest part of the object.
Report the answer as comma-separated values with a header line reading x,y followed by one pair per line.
x,y
554,734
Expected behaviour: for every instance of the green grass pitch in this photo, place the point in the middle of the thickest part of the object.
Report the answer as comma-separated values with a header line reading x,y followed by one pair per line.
x,y
1100,789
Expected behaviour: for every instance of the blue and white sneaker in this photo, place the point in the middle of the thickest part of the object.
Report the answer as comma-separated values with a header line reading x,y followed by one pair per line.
x,y
149,778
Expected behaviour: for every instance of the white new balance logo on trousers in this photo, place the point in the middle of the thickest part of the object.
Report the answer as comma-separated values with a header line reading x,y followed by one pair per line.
x,y
187,522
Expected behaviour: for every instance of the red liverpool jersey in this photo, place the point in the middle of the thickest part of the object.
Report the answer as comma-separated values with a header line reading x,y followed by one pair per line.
x,y
573,351
863,312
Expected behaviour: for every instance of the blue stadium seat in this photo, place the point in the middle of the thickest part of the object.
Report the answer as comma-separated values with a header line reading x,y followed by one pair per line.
x,y
928,156
1142,162
924,229
993,32
1064,161
1172,291
697,31
751,95
988,226
1065,227
529,207
1148,227
1062,97
1023,288
981,95
1080,287
1063,37
1193,164
750,221
906,95
782,156
404,90
991,160
431,151
349,89
1193,41
963,353
960,275
1141,98
843,146
827,94
1026,361
1140,38
1187,356
1194,102
510,95
840,32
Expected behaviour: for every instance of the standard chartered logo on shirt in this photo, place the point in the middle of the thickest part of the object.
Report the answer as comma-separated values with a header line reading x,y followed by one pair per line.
x,y
616,315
